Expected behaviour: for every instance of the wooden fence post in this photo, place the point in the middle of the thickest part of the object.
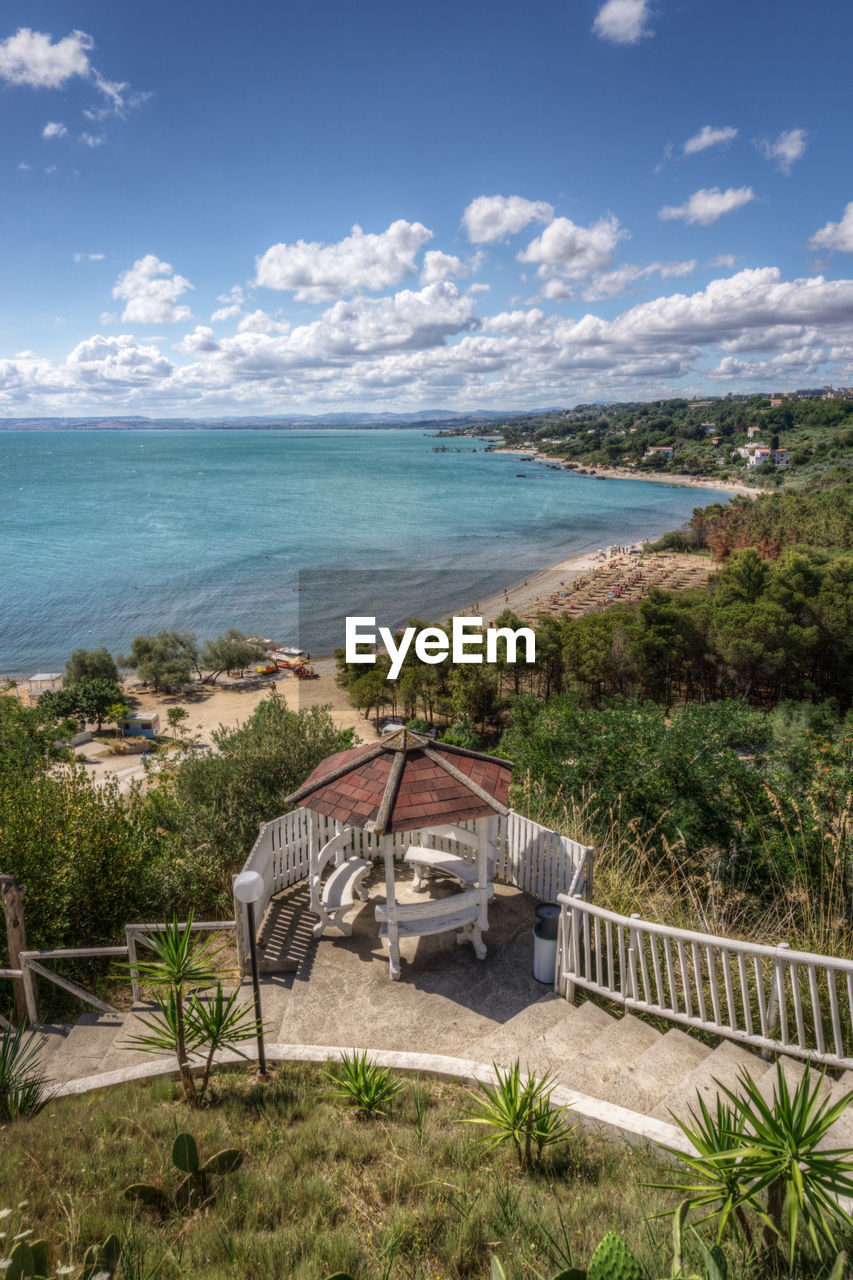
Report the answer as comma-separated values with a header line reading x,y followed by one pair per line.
x,y
12,894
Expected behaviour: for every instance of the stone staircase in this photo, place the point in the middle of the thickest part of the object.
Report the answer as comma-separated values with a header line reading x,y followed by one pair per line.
x,y
626,1061
616,1059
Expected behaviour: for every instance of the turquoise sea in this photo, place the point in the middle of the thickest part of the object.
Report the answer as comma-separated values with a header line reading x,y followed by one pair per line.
x,y
106,534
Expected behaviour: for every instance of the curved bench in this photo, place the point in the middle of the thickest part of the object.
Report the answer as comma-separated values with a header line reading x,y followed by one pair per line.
x,y
415,919
338,894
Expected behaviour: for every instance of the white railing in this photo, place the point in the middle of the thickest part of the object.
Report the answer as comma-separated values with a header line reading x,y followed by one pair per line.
x,y
541,862
771,997
281,855
528,856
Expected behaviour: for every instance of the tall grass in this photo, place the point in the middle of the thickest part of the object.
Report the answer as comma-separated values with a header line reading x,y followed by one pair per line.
x,y
796,898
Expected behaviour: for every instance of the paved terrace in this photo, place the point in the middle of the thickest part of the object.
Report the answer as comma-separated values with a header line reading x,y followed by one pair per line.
x,y
446,998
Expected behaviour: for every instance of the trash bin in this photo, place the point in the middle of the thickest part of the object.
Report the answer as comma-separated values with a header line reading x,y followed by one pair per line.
x,y
548,916
544,955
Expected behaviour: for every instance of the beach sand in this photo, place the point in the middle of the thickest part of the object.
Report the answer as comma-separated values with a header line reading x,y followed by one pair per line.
x,y
230,702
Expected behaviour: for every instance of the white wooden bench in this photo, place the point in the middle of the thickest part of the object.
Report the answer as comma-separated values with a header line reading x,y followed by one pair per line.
x,y
332,899
462,911
429,861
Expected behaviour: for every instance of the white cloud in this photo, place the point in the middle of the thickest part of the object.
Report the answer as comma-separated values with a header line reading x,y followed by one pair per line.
x,y
119,99
836,235
787,148
623,21
566,251
706,206
421,346
723,260
151,289
612,284
24,167
30,57
107,317
479,286
226,313
317,272
490,218
33,58
88,257
442,266
200,340
120,360
260,322
233,305
708,136
518,322
235,294
91,140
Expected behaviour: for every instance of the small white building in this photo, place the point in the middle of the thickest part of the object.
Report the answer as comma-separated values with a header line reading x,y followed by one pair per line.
x,y
657,450
756,455
141,724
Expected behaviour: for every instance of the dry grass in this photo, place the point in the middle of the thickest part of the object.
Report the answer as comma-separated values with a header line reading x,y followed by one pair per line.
x,y
637,869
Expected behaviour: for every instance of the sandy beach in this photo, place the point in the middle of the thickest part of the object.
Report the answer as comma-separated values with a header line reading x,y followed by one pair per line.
x,y
230,702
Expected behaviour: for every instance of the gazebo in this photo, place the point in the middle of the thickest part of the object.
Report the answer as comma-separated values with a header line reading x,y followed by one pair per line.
x,y
407,799
410,795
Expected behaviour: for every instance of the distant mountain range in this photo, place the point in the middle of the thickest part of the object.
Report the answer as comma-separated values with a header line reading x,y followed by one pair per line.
x,y
286,422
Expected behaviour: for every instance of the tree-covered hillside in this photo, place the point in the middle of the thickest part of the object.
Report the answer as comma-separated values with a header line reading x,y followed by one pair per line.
x,y
705,436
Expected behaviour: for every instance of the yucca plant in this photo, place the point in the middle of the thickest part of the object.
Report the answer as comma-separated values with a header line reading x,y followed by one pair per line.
x,y
23,1084
764,1156
779,1154
184,1023
361,1085
518,1112
719,1185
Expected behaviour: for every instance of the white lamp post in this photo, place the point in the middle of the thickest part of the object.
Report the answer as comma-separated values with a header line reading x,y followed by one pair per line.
x,y
248,887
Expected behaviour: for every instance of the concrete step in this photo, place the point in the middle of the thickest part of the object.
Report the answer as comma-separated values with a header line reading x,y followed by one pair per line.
x,y
643,1083
841,1133
116,1056
617,1045
509,1040
51,1043
565,1039
723,1064
86,1046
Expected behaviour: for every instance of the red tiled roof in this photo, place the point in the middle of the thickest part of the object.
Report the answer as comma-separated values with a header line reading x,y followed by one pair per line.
x,y
426,793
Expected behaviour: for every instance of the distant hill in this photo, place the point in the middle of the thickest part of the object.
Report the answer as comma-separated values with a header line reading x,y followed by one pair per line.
x,y
269,422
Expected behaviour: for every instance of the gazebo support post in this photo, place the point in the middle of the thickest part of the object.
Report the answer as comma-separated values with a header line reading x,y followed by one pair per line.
x,y
387,845
473,933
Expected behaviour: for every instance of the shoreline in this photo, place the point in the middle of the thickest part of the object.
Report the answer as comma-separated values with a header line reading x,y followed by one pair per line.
x,y
622,473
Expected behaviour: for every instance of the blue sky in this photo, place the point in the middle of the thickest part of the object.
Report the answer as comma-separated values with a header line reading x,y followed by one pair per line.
x,y
215,209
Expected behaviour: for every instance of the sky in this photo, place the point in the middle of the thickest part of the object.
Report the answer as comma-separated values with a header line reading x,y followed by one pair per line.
x,y
215,210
